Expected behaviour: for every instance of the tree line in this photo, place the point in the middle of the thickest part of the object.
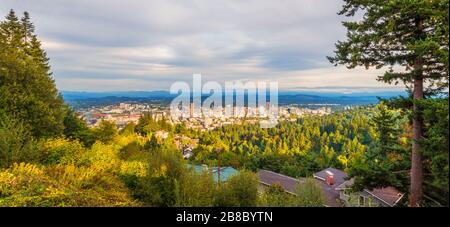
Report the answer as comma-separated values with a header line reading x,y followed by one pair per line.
x,y
50,157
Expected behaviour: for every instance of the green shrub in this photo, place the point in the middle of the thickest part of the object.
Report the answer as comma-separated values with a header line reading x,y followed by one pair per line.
x,y
196,190
61,151
16,143
241,190
309,194
275,196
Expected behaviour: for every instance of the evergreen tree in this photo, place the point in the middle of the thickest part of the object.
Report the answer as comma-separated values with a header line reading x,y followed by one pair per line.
x,y
106,131
408,33
378,167
27,89
77,129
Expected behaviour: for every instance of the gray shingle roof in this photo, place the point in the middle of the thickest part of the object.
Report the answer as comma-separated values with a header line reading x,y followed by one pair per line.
x,y
338,175
269,178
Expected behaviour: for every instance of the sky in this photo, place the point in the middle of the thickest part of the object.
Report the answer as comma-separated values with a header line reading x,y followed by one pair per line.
x,y
110,45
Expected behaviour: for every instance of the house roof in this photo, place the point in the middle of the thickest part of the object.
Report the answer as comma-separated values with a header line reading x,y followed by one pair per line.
x,y
338,175
267,177
330,194
388,195
225,173
344,185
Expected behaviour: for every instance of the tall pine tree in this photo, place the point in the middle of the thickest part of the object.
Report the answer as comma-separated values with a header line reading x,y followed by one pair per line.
x,y
412,34
27,89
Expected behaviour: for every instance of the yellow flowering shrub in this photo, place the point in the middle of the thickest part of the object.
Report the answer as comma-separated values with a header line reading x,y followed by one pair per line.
x,y
62,151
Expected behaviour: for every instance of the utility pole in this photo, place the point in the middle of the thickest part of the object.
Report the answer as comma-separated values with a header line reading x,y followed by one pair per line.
x,y
218,150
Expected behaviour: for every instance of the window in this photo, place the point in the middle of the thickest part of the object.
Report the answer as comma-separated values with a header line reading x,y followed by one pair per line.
x,y
362,200
345,192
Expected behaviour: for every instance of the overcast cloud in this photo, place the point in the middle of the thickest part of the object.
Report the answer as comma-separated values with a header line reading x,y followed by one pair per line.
x,y
114,45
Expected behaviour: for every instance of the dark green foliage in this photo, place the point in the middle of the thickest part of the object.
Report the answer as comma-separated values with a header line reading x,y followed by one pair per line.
x,y
412,35
309,194
397,33
130,150
16,143
147,124
240,190
159,187
386,162
27,89
159,191
275,196
436,148
105,131
152,144
196,190
76,128
292,148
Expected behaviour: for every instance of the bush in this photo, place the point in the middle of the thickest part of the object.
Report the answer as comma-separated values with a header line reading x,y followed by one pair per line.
x,y
61,151
27,184
16,143
105,132
275,196
166,168
309,194
196,190
241,190
104,157
130,150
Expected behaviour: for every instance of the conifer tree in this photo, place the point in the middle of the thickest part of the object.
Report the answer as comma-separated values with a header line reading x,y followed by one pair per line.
x,y
28,91
412,34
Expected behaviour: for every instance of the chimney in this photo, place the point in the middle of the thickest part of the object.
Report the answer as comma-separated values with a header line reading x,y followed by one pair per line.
x,y
330,178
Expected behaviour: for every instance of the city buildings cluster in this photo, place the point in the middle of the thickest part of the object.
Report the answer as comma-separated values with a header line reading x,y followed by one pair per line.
x,y
196,118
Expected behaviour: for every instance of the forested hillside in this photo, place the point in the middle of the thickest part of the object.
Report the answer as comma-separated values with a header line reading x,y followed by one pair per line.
x,y
50,157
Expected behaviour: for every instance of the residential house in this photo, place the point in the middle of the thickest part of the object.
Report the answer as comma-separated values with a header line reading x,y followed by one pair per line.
x,y
385,197
268,178
336,189
329,179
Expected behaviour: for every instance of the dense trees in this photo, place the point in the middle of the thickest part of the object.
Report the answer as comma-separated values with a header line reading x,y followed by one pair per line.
x,y
436,149
16,143
76,128
386,161
44,145
27,89
409,34
371,143
239,191
292,148
105,131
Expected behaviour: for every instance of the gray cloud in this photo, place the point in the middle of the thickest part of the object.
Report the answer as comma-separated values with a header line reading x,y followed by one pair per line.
x,y
145,45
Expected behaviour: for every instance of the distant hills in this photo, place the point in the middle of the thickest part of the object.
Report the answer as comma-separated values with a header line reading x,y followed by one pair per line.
x,y
86,99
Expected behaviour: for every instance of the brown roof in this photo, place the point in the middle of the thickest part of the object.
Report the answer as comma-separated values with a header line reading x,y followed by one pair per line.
x,y
269,178
330,194
338,175
388,195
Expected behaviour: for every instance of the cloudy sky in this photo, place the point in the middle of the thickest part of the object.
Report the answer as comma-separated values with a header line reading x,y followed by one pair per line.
x,y
112,45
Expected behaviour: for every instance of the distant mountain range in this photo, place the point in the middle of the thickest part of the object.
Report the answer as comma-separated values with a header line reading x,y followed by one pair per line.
x,y
284,97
